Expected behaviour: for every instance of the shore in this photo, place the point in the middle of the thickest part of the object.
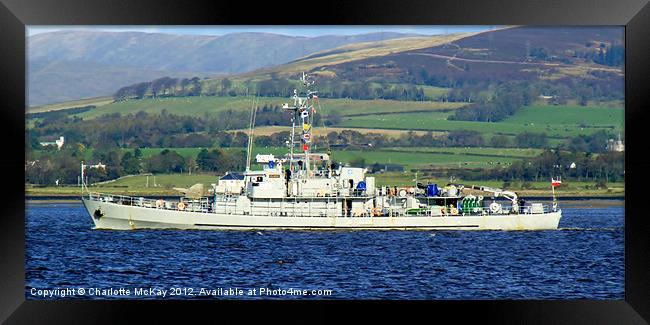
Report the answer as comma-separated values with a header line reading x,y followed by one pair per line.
x,y
163,185
71,192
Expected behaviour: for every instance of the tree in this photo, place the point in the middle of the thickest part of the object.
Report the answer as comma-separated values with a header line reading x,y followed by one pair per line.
x,y
130,163
500,141
196,87
240,139
159,85
113,165
225,84
167,161
531,140
208,160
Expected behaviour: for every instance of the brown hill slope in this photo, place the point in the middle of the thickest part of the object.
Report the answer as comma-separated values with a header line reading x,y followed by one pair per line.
x,y
506,54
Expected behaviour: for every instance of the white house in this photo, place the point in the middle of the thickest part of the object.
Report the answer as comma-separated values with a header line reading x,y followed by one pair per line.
x,y
58,143
616,145
98,166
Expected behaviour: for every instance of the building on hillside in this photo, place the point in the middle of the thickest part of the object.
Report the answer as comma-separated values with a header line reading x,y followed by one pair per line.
x,y
98,165
30,163
615,145
58,143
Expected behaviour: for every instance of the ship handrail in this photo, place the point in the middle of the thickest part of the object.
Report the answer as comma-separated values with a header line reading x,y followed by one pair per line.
x,y
204,206
190,205
477,211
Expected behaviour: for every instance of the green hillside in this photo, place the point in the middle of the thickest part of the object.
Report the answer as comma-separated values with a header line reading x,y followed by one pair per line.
x,y
558,122
408,157
555,121
591,116
198,106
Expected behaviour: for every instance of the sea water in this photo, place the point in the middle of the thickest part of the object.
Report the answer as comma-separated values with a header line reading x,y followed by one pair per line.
x,y
65,258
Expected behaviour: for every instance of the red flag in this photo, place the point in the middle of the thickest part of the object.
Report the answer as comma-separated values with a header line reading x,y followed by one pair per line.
x,y
555,182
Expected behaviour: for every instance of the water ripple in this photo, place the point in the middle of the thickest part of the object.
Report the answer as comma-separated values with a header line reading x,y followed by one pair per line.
x,y
582,259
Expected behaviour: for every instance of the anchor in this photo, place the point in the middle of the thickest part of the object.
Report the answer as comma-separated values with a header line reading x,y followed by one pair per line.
x,y
98,214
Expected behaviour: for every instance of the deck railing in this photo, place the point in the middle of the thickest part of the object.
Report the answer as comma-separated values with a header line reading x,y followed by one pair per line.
x,y
228,204
201,205
486,211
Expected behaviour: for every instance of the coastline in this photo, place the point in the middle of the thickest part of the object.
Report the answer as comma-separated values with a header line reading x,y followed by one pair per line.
x,y
529,194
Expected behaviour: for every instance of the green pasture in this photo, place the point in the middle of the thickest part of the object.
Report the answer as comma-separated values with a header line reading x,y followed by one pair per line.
x,y
504,152
589,116
488,158
137,185
555,121
166,181
97,101
194,106
416,160
198,106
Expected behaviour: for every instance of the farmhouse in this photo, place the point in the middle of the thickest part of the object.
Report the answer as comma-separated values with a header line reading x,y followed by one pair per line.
x,y
615,145
58,143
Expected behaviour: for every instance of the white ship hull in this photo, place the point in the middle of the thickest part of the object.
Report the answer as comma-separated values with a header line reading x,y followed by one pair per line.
x,y
128,217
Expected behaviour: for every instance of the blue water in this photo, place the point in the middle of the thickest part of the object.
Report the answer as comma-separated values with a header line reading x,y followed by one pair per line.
x,y
584,259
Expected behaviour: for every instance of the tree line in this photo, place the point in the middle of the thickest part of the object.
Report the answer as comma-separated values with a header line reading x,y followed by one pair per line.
x,y
64,165
578,166
274,87
509,97
159,130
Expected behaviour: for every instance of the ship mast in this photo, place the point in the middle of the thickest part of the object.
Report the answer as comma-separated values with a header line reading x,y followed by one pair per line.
x,y
249,148
304,109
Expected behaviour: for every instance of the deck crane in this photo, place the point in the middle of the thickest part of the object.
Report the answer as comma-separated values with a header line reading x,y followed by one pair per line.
x,y
496,192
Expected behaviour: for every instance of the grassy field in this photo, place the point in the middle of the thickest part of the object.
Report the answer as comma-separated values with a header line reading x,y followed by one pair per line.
x,y
136,185
502,152
569,115
166,181
347,107
555,121
320,131
421,159
439,157
195,106
198,106
98,101
132,185
434,92
408,157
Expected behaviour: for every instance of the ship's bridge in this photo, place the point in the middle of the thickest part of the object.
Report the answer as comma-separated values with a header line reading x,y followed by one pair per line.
x,y
265,183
